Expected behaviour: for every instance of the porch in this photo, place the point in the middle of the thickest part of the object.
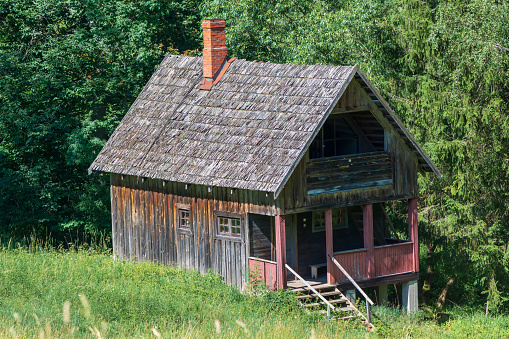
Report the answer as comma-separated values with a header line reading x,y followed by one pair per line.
x,y
395,261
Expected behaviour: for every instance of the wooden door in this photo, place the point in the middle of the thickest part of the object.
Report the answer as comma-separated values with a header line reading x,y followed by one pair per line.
x,y
229,252
185,239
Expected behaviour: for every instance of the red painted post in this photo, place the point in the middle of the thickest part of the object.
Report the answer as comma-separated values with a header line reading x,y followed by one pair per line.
x,y
413,231
281,251
367,223
329,245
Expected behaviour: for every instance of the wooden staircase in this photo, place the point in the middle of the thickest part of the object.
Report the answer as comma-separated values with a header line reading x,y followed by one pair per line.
x,y
344,309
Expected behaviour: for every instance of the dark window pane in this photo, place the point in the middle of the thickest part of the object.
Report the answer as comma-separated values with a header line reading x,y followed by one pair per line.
x,y
328,129
315,150
328,150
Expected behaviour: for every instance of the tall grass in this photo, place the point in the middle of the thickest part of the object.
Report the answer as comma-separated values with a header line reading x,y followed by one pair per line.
x,y
85,293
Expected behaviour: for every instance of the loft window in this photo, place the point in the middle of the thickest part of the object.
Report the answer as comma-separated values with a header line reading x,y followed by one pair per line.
x,y
339,219
335,138
227,226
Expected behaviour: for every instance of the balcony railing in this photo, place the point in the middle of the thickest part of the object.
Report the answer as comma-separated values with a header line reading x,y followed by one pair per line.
x,y
350,172
389,259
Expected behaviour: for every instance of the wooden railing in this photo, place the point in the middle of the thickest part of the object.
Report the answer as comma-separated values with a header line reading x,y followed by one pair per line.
x,y
394,259
389,259
354,262
263,270
369,302
350,172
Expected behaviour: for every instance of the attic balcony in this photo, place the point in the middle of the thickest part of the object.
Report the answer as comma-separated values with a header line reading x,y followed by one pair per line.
x,y
349,172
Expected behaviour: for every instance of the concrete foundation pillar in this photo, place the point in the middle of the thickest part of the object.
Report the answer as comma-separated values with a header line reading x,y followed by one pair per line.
x,y
382,295
409,290
350,295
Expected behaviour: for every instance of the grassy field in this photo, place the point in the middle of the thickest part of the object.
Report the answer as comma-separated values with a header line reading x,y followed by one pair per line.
x,y
47,293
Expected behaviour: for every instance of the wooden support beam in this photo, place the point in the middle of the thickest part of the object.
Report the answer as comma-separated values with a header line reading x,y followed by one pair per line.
x,y
413,231
389,221
367,222
280,251
329,245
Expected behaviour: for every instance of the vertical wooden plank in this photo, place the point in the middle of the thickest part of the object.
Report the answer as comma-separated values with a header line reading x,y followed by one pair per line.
x,y
245,249
367,221
413,231
236,259
329,245
164,227
280,250
131,203
121,210
149,222
194,239
114,222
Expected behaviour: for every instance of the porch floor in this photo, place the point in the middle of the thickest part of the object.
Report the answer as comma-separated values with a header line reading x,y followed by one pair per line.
x,y
318,283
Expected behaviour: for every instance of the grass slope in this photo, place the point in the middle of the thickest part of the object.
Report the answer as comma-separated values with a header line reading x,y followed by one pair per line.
x,y
50,293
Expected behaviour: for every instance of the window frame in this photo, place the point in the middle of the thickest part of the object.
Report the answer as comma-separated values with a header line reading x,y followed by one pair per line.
x,y
181,208
229,236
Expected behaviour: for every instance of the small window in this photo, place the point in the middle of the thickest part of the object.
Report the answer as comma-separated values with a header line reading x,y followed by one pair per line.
x,y
184,222
339,219
227,226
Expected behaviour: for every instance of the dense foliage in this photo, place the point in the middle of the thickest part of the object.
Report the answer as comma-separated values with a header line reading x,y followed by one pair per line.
x,y
70,69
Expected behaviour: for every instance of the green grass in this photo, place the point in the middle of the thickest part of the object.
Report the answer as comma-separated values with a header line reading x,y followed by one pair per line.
x,y
144,300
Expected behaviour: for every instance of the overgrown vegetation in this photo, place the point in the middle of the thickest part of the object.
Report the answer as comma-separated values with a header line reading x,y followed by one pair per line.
x,y
84,293
70,70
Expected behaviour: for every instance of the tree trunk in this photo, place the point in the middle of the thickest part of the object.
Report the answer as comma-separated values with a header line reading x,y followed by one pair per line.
x,y
430,273
441,299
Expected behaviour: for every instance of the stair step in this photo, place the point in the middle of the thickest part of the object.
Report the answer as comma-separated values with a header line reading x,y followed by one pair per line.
x,y
347,317
324,294
320,288
345,308
332,301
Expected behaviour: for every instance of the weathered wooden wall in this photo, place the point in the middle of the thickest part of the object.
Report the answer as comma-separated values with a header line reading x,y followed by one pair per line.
x,y
144,219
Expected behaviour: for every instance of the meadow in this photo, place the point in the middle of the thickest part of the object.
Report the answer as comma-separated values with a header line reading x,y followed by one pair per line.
x,y
47,292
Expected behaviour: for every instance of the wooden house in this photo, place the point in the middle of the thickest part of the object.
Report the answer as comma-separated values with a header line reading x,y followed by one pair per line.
x,y
231,165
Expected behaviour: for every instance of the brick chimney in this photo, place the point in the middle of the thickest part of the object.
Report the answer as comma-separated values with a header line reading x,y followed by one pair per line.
x,y
214,47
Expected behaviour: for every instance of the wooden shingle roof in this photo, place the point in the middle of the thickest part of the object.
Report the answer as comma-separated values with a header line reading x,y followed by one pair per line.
x,y
249,131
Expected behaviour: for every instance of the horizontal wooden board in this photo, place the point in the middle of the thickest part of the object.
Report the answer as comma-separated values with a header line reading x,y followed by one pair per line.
x,y
368,170
350,187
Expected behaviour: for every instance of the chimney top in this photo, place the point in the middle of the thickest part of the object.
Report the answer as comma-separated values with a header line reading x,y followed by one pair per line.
x,y
214,47
213,23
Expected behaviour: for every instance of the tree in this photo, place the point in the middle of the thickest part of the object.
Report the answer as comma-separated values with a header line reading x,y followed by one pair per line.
x,y
70,70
